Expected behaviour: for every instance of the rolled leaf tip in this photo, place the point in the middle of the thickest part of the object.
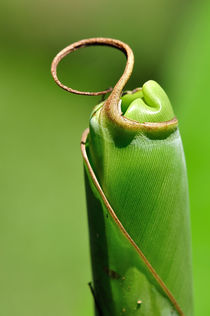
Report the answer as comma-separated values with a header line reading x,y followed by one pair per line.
x,y
144,110
150,104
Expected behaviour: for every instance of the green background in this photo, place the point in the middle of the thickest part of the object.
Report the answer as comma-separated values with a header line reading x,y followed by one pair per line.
x,y
44,250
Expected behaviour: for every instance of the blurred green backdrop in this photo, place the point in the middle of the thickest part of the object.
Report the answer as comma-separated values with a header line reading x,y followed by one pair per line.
x,y
44,263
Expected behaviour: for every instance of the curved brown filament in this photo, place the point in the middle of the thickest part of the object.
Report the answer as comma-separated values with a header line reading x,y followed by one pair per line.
x,y
111,108
97,41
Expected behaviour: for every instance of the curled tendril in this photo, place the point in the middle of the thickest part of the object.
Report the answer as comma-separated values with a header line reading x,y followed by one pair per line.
x,y
111,110
98,41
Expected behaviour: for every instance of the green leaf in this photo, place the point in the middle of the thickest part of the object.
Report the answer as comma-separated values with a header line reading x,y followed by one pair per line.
x,y
152,105
124,282
138,208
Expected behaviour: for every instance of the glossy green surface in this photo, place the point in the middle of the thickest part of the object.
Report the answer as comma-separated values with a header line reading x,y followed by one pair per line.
x,y
145,182
123,284
151,104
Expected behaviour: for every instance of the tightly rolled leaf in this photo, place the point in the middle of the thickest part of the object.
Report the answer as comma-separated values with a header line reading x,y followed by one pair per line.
x,y
138,210
137,198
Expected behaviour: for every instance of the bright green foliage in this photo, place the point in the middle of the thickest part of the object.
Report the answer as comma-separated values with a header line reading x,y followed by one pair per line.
x,y
121,278
151,104
145,183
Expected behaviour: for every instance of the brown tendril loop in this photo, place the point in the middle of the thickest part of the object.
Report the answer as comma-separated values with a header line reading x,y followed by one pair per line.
x,y
97,41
